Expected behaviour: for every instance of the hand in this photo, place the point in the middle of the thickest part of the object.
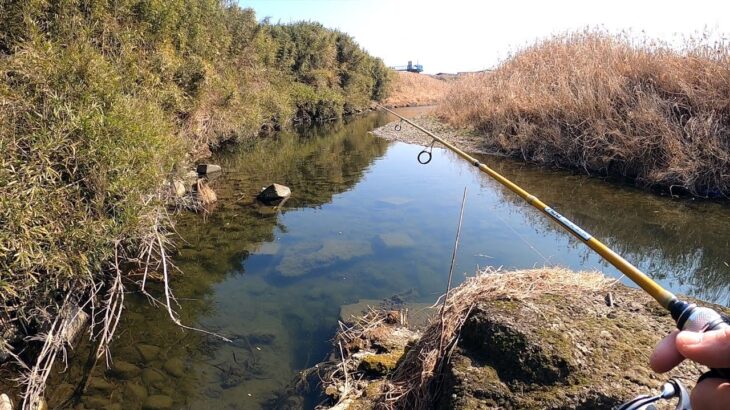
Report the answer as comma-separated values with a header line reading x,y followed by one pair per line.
x,y
711,349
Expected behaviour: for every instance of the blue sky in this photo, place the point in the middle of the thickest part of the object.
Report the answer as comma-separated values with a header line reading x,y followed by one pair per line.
x,y
469,35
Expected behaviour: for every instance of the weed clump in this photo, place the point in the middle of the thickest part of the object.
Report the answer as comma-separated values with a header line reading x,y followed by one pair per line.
x,y
608,105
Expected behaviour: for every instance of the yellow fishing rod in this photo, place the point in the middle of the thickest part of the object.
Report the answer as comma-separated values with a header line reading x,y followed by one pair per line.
x,y
688,316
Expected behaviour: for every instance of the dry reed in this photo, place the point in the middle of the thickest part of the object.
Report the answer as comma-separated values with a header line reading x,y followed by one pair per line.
x,y
415,89
414,384
609,105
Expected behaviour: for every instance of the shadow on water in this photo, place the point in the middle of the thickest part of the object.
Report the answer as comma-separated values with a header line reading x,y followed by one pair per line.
x,y
364,222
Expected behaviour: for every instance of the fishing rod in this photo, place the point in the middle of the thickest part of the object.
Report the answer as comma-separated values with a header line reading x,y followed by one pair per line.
x,y
688,316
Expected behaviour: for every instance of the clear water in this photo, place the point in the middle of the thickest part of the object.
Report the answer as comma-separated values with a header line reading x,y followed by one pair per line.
x,y
366,221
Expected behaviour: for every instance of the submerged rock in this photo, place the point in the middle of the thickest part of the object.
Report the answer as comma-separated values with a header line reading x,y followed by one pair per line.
x,y
124,370
174,367
148,352
310,256
135,391
99,385
274,193
157,402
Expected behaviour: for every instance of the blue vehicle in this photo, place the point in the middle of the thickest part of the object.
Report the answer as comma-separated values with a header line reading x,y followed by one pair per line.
x,y
411,68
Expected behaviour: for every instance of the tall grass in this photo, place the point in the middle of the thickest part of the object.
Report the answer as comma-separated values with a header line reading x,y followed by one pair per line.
x,y
103,102
609,105
415,89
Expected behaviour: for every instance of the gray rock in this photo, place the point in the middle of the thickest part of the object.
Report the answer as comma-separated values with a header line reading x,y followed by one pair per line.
x,y
135,391
157,402
148,352
175,367
274,193
204,169
124,370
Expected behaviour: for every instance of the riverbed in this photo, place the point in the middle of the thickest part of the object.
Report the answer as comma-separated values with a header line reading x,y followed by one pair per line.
x,y
366,221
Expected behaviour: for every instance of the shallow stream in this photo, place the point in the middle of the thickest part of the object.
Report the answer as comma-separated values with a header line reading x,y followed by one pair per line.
x,y
366,221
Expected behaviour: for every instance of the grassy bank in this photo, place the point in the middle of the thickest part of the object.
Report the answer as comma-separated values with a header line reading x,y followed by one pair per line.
x,y
609,106
412,89
103,102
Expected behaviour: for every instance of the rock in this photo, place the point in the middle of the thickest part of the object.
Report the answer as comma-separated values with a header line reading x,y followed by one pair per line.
x,y
274,193
303,258
178,188
124,370
558,351
77,321
175,367
152,377
135,391
95,402
380,364
60,393
114,406
157,402
98,384
5,403
148,352
396,240
204,169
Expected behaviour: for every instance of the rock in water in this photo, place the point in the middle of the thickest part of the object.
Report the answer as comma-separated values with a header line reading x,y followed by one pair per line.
x,y
205,169
148,352
274,193
175,367
157,402
124,370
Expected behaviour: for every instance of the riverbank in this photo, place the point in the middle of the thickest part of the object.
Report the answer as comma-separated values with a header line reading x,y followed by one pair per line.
x,y
533,339
104,110
608,105
414,89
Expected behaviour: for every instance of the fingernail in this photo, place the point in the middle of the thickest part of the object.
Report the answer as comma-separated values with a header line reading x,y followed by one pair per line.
x,y
689,338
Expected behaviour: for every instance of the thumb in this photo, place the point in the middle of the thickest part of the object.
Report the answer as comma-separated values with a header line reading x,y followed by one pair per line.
x,y
709,348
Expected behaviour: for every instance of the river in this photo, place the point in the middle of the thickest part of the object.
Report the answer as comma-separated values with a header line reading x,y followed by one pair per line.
x,y
366,221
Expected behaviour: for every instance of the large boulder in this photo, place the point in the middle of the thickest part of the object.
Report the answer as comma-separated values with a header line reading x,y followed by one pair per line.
x,y
274,193
558,352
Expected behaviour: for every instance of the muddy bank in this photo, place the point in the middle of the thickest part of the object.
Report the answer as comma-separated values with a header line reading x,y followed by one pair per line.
x,y
404,132
535,339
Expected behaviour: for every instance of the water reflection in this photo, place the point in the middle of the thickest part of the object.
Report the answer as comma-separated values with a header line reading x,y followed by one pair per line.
x,y
365,221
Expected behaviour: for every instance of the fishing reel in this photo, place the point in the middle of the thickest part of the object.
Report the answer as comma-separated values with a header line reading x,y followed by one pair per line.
x,y
670,390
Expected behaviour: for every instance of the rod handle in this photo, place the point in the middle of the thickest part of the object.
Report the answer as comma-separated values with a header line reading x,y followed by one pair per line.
x,y
700,319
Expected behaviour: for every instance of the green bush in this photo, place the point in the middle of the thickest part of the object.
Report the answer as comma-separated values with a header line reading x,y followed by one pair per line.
x,y
101,101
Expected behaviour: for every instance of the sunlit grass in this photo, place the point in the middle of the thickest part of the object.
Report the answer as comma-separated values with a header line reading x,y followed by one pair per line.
x,y
609,105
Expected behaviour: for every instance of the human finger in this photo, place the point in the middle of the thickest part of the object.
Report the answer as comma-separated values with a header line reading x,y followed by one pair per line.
x,y
709,348
711,394
666,356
